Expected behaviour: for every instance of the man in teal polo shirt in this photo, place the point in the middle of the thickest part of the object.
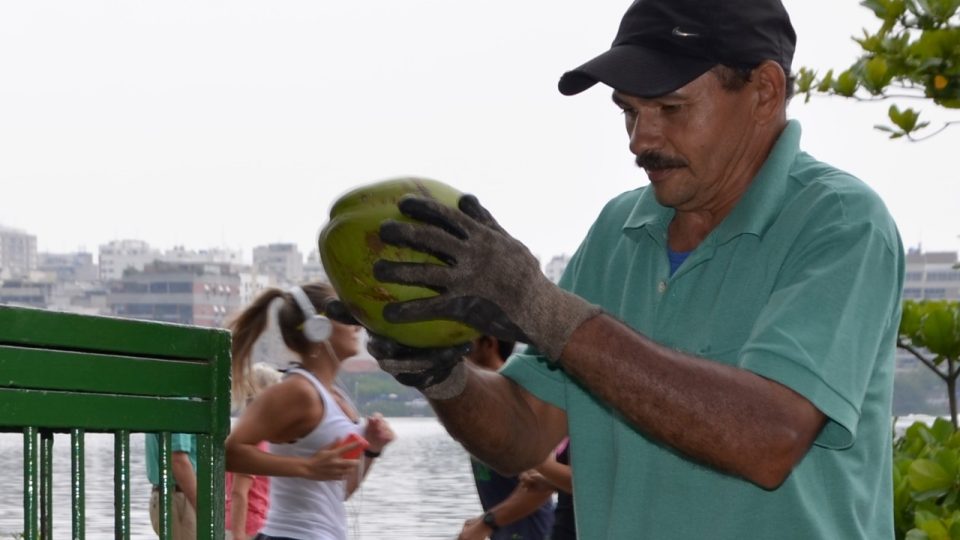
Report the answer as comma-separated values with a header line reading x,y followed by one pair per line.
x,y
183,464
721,346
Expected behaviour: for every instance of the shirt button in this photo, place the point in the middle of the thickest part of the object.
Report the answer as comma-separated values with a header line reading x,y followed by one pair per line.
x,y
662,287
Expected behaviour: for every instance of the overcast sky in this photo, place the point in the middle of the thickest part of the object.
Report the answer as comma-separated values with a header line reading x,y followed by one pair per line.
x,y
235,124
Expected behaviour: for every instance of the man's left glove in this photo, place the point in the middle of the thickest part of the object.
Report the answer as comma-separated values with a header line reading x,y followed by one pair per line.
x,y
490,280
438,373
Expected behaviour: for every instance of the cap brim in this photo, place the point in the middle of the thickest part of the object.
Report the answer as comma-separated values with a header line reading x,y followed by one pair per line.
x,y
635,70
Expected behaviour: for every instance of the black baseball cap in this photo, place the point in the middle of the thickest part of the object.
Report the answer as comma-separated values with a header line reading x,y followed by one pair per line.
x,y
664,44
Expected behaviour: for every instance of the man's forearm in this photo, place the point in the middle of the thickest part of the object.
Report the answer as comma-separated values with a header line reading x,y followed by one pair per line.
x,y
495,423
557,474
726,417
520,504
185,476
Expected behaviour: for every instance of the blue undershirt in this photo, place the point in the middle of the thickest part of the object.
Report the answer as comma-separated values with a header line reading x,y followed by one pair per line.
x,y
676,259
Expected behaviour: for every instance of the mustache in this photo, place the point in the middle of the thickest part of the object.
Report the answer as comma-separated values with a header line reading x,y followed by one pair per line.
x,y
651,160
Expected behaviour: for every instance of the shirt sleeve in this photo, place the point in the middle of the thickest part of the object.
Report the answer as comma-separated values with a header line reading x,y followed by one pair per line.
x,y
833,311
535,375
182,442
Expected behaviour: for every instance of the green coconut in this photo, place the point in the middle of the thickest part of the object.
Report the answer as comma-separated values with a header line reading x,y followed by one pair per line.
x,y
350,244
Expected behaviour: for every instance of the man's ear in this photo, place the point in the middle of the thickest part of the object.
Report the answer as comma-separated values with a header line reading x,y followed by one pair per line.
x,y
769,83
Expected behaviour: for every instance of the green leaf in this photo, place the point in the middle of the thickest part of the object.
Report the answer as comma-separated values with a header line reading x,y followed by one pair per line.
x,y
936,530
910,320
905,120
886,10
876,75
948,103
846,84
920,432
805,79
871,43
942,10
879,7
942,430
929,479
934,44
940,329
826,82
923,516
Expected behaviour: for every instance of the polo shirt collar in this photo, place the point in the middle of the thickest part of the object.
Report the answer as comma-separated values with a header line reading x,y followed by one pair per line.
x,y
753,213
763,201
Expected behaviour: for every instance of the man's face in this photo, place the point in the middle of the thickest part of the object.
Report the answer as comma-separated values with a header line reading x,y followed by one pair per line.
x,y
692,142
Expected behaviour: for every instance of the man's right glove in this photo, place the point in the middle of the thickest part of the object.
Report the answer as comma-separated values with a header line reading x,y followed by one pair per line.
x,y
439,373
489,280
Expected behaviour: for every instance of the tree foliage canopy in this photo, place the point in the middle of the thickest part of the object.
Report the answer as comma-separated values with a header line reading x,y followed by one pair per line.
x,y
915,54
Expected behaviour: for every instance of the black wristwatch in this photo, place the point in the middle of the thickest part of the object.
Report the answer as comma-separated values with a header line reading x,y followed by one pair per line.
x,y
490,521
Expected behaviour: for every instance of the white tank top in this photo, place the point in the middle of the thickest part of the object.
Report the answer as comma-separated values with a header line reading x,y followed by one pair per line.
x,y
310,509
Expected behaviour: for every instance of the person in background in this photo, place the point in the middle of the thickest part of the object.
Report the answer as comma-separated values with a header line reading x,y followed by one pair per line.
x,y
305,418
183,464
248,495
555,473
720,349
512,511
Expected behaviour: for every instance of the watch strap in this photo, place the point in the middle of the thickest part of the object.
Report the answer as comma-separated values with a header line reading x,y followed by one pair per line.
x,y
490,520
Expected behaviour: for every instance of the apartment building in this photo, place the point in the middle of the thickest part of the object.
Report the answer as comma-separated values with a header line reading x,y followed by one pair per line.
x,y
556,266
313,268
118,256
68,267
18,253
199,294
281,263
933,275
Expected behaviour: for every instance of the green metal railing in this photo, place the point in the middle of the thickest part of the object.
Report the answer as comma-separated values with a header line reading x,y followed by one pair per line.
x,y
68,373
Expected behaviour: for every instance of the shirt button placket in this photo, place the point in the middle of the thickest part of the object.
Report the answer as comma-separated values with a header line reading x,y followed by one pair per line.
x,y
662,286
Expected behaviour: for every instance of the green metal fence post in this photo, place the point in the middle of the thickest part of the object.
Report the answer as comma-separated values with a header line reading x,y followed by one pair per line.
x,y
77,487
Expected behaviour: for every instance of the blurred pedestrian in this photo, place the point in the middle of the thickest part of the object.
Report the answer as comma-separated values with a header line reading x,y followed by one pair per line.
x,y
304,417
511,510
248,495
183,464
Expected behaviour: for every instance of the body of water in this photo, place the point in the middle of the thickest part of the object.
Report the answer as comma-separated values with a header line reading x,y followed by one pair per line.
x,y
422,487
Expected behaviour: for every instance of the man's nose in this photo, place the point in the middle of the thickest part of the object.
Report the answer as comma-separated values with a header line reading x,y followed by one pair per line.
x,y
645,133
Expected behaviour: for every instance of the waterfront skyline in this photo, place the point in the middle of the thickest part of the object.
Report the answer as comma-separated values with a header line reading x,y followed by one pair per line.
x,y
197,125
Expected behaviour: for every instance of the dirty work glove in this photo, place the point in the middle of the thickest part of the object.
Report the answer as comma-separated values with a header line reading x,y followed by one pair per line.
x,y
335,310
438,373
490,280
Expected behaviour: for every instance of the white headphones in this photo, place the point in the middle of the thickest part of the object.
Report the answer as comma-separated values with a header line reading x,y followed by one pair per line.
x,y
316,327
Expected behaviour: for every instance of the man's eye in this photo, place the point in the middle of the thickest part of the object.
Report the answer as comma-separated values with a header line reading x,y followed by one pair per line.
x,y
669,109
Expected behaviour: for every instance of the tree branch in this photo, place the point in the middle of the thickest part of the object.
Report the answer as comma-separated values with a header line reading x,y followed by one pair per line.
x,y
933,367
945,125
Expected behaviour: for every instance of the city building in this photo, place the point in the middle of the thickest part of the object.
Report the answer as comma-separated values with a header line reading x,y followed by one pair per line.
x,y
18,253
931,276
118,256
556,266
87,298
26,293
68,267
198,294
282,263
179,254
313,269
